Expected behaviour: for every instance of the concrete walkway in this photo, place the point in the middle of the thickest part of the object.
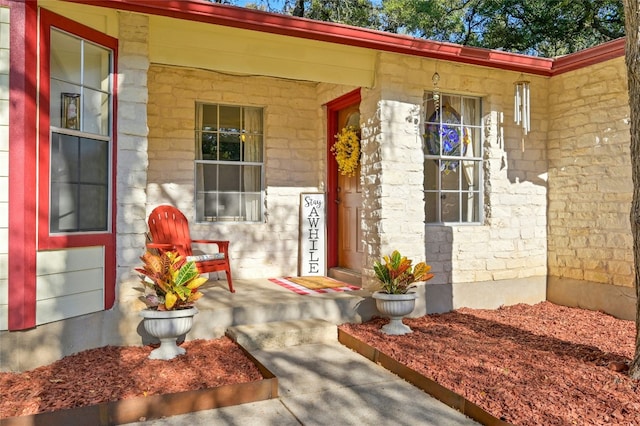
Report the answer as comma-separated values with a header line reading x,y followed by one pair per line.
x,y
328,384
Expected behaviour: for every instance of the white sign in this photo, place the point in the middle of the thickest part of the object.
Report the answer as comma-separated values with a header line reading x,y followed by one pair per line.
x,y
312,234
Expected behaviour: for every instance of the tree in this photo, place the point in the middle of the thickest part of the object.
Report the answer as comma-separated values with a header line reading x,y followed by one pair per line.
x,y
539,27
632,26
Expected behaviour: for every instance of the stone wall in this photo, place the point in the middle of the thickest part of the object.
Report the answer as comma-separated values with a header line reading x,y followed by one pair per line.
x,y
133,95
295,151
590,187
510,244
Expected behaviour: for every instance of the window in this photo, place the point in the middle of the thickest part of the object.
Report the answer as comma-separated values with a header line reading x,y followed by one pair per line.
x,y
80,145
453,159
229,163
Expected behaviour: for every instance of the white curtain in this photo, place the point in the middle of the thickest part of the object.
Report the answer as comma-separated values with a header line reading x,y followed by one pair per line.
x,y
199,169
252,152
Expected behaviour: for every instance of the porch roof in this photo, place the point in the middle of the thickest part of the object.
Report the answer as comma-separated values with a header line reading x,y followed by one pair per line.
x,y
284,25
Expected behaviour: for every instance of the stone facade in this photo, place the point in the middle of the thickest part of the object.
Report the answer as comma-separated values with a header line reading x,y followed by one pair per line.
x,y
294,157
509,246
555,221
133,96
590,189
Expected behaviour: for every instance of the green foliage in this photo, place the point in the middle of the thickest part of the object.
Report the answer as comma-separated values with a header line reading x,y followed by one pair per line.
x,y
173,281
396,274
539,27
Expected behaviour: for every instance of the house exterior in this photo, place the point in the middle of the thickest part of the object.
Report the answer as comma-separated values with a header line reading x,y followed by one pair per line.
x,y
111,108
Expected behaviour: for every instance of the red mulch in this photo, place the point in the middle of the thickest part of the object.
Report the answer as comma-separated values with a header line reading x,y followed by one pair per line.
x,y
114,373
528,365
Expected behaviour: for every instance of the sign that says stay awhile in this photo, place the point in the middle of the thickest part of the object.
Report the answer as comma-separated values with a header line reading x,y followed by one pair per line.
x,y
312,234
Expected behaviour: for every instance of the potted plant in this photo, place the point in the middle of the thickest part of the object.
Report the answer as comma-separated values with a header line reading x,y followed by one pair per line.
x,y
173,283
397,276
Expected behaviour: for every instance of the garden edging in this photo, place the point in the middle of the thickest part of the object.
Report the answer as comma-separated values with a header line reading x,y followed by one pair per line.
x,y
429,386
158,406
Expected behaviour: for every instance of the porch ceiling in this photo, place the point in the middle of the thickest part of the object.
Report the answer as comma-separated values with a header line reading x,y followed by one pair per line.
x,y
226,49
188,43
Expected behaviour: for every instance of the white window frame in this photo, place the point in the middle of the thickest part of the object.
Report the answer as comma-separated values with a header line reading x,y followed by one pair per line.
x,y
453,183
250,203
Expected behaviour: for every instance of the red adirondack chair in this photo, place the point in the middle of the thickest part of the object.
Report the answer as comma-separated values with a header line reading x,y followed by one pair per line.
x,y
170,231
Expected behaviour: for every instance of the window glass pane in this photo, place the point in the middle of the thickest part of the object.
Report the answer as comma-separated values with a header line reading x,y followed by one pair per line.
x,y
63,207
431,207
450,206
252,148
66,55
209,176
229,178
61,95
229,206
79,184
431,105
209,149
64,158
230,147
471,175
211,206
469,211
97,66
431,175
95,112
92,207
251,205
253,120
95,161
450,180
470,112
230,119
209,117
251,179
472,148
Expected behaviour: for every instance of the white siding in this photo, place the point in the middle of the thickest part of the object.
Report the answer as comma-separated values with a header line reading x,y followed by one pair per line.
x,y
4,166
69,283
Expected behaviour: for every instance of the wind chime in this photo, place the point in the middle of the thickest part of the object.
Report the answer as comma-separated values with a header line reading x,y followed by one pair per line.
x,y
521,108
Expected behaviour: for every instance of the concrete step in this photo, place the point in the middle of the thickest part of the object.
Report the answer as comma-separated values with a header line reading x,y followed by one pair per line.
x,y
280,334
348,276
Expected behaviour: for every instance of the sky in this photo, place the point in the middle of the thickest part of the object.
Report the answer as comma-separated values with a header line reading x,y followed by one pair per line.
x,y
276,4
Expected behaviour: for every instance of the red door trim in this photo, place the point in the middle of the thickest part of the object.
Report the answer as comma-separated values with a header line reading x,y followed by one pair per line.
x,y
333,107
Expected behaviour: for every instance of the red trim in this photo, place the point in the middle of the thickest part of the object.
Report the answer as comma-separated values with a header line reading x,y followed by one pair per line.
x,y
45,240
584,58
22,170
333,107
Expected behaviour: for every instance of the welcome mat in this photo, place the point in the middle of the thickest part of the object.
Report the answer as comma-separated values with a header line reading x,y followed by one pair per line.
x,y
310,285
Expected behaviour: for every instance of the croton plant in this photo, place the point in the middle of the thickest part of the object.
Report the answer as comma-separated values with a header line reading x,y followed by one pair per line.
x,y
173,281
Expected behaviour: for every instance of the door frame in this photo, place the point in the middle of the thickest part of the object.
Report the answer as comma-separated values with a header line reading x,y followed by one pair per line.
x,y
333,107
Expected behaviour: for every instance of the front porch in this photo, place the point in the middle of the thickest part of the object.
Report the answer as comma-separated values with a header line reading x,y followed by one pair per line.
x,y
258,301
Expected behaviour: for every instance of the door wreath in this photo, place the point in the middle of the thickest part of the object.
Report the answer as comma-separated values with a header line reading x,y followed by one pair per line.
x,y
346,149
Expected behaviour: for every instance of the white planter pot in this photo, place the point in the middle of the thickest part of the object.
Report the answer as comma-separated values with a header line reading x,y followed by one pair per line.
x,y
167,326
395,306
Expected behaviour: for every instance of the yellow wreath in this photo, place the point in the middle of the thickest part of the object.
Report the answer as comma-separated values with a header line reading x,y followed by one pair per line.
x,y
346,149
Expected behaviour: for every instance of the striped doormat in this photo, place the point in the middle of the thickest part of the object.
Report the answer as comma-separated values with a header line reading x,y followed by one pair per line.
x,y
311,285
